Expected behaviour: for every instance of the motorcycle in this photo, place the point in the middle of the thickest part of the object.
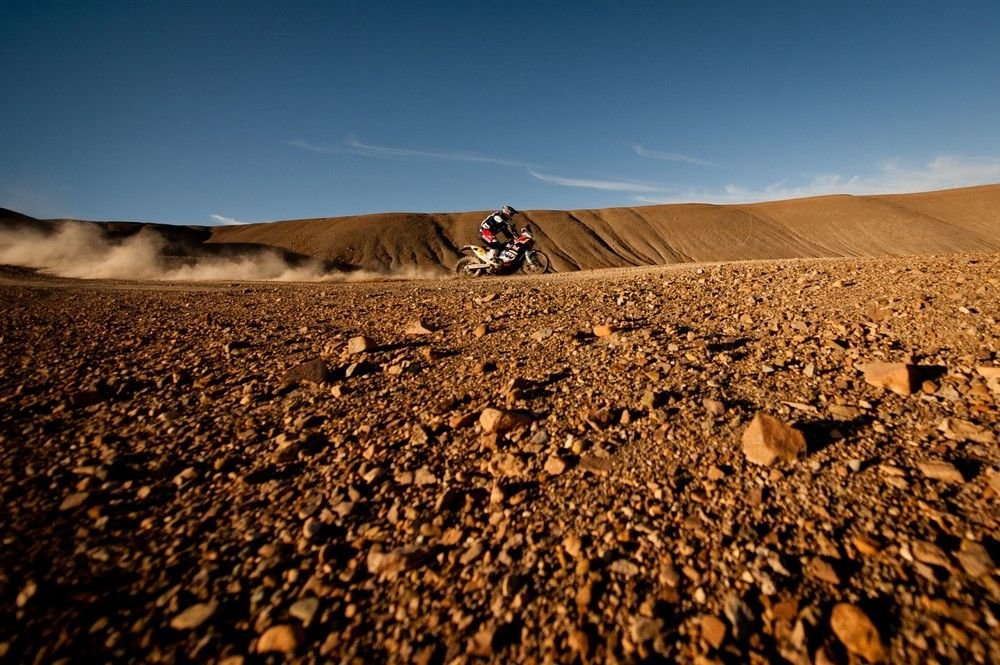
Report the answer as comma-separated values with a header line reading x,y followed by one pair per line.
x,y
517,254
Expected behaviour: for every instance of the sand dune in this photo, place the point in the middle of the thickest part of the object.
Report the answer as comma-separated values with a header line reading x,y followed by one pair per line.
x,y
958,220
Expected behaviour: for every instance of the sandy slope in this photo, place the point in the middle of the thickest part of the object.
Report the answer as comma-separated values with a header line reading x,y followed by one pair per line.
x,y
959,220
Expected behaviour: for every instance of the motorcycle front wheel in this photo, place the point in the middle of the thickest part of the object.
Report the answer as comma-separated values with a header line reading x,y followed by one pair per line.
x,y
463,267
535,263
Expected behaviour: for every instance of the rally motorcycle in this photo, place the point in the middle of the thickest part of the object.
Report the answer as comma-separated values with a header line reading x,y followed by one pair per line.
x,y
517,254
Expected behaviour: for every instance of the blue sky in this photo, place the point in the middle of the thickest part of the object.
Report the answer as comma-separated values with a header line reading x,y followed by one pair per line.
x,y
219,112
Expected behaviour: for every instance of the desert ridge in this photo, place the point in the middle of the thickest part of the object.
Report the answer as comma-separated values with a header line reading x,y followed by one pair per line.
x,y
958,220
947,221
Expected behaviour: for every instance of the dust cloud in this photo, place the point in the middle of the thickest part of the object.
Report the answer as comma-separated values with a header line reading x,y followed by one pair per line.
x,y
82,251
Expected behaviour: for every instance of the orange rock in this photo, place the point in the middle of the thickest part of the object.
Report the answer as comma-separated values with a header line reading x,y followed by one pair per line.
x,y
768,439
897,377
713,631
360,344
460,420
992,376
501,421
604,330
284,638
867,546
944,471
418,327
857,632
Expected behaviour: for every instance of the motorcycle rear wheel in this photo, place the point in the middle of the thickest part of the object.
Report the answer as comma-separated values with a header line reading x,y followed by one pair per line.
x,y
535,263
463,269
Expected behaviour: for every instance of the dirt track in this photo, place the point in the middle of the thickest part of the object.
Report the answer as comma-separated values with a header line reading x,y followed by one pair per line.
x,y
172,494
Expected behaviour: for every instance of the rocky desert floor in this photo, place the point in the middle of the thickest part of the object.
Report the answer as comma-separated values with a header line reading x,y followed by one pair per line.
x,y
739,463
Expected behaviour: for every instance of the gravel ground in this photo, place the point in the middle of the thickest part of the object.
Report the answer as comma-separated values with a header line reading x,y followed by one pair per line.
x,y
557,469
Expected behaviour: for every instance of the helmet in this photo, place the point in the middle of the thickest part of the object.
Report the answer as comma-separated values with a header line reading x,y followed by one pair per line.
x,y
508,211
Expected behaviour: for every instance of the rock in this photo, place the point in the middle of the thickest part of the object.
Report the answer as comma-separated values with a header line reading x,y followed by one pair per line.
x,y
599,419
844,412
975,559
507,465
768,439
418,327
74,500
420,435
957,429
541,335
312,371
624,567
713,630
554,466
193,616
604,330
900,378
471,553
857,632
867,545
283,638
423,476
643,629
26,593
396,561
992,376
596,465
479,330
821,569
462,420
714,406
942,471
572,545
993,480
359,344
502,421
312,528
304,610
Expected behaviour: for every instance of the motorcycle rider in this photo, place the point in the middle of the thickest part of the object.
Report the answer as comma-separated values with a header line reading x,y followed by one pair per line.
x,y
498,223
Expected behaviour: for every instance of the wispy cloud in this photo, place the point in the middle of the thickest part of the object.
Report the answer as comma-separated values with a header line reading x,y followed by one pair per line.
x,y
312,147
671,156
226,221
891,177
605,185
355,146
